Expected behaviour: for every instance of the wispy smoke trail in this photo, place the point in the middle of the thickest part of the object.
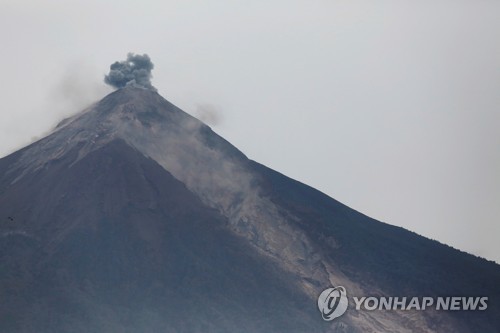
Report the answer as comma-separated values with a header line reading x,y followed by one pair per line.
x,y
135,71
208,114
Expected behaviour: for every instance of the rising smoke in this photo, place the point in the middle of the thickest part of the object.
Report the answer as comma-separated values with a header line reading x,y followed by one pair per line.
x,y
135,71
208,114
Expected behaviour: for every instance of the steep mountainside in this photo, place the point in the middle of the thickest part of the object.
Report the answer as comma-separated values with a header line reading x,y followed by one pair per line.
x,y
133,216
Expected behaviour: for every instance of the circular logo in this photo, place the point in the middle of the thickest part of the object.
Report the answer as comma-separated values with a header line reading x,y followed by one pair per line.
x,y
332,303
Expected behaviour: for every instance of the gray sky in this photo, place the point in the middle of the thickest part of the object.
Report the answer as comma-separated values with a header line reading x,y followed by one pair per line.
x,y
391,107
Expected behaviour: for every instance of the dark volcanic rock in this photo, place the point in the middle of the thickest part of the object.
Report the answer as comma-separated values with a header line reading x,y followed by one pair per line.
x,y
114,243
133,216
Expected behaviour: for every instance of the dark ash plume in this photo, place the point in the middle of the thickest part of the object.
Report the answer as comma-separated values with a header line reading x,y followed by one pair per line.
x,y
135,71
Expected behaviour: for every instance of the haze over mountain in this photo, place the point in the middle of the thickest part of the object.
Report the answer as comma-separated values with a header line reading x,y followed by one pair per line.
x,y
133,216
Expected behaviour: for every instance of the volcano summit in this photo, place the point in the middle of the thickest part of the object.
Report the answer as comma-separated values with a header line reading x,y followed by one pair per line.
x,y
133,216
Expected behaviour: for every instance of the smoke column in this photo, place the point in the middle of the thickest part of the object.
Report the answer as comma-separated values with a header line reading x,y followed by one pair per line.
x,y
135,71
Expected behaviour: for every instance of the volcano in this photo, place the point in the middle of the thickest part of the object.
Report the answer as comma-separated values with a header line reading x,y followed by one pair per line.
x,y
133,216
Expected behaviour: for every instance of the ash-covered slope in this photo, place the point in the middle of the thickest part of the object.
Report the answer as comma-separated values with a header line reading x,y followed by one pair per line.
x,y
114,243
133,216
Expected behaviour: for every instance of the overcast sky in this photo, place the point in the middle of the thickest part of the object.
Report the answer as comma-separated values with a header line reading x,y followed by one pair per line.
x,y
391,107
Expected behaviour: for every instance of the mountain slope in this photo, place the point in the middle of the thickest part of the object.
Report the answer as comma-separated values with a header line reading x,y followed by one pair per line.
x,y
144,256
389,260
133,216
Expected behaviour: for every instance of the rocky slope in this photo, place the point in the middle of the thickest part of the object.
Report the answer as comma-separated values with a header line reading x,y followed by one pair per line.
x,y
133,216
